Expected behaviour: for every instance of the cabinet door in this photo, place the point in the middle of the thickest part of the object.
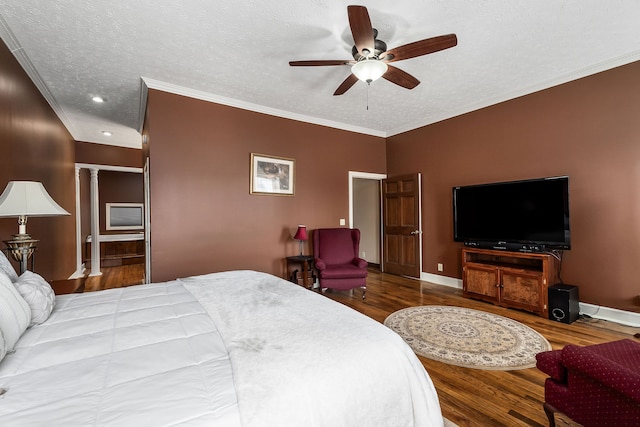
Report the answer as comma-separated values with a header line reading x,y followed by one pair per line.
x,y
481,280
522,289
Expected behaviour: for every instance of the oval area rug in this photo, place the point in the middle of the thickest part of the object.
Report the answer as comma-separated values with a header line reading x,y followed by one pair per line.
x,y
468,338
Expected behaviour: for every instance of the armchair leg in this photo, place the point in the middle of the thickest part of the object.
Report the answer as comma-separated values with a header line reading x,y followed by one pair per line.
x,y
550,411
364,291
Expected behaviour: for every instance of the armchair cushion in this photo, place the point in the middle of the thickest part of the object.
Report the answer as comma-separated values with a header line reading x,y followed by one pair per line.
x,y
343,271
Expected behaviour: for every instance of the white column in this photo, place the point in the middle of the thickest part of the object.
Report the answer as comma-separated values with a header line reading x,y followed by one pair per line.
x,y
147,223
79,269
95,225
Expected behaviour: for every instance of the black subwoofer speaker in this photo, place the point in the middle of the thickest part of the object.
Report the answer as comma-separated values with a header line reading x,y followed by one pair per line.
x,y
563,303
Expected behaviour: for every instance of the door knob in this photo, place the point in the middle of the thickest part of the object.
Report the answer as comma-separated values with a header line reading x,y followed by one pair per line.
x,y
414,232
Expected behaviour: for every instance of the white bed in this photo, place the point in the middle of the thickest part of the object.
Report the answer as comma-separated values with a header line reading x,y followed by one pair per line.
x,y
237,348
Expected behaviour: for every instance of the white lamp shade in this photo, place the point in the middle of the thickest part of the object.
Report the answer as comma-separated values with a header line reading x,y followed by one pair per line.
x,y
369,70
28,198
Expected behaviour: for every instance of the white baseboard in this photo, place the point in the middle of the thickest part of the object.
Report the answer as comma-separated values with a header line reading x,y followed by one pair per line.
x,y
441,280
627,318
78,273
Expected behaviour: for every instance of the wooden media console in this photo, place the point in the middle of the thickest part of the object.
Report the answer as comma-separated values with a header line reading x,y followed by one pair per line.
x,y
509,279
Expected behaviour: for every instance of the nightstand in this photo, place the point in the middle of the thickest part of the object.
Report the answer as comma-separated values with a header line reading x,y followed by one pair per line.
x,y
69,286
306,262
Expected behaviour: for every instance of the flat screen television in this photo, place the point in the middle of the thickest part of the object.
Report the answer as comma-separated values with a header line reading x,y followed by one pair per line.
x,y
529,215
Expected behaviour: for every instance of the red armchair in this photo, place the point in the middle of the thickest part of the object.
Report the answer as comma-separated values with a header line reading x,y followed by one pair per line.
x,y
335,252
596,385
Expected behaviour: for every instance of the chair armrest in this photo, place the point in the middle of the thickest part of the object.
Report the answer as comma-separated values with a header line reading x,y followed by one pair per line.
x,y
607,372
549,362
320,264
360,263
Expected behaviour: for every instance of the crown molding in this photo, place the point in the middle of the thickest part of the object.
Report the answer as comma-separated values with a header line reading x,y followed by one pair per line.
x,y
217,99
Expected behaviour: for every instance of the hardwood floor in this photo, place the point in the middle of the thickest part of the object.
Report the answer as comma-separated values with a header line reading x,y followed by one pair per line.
x,y
116,277
473,397
469,397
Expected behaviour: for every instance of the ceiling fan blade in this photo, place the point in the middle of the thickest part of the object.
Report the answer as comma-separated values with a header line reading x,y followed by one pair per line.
x,y
421,47
346,85
320,63
401,78
361,29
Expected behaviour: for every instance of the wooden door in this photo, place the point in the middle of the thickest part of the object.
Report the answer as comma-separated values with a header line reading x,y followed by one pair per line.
x,y
401,238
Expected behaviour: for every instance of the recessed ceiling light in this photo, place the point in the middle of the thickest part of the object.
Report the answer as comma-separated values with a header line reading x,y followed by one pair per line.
x,y
98,99
106,133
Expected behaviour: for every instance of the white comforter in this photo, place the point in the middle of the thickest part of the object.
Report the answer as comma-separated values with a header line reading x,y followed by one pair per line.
x,y
225,349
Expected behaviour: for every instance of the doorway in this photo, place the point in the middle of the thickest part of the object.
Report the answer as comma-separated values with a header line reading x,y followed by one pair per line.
x,y
99,241
365,212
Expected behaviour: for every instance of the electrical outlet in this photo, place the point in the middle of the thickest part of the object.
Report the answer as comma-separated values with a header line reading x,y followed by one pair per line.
x,y
440,267
343,221
363,254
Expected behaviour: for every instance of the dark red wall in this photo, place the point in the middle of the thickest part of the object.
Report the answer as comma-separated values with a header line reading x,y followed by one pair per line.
x,y
203,218
118,187
35,146
101,154
588,129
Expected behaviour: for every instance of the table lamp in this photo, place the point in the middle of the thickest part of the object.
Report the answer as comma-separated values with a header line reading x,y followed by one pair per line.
x,y
22,199
301,235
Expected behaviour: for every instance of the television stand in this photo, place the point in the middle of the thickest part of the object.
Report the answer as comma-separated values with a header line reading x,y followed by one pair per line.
x,y
509,279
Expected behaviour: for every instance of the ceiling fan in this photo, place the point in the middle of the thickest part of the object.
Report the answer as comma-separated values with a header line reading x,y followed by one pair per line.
x,y
371,58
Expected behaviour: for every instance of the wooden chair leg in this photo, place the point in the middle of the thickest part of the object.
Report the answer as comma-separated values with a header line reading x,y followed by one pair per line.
x,y
550,411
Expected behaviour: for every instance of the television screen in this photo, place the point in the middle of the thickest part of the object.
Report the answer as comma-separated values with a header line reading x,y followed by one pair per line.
x,y
521,212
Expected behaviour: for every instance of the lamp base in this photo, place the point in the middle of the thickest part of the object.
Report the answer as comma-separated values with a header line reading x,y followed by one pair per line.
x,y
21,249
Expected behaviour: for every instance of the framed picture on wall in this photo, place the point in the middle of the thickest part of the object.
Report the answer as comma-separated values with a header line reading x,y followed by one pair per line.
x,y
272,175
124,216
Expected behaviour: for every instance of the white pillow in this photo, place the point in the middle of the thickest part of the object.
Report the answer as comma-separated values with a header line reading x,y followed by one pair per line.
x,y
5,265
15,313
38,293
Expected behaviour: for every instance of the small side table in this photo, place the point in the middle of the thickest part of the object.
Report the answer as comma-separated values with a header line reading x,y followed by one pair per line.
x,y
306,261
69,286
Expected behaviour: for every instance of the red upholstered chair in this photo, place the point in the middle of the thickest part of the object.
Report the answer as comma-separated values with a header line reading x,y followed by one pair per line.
x,y
335,252
596,385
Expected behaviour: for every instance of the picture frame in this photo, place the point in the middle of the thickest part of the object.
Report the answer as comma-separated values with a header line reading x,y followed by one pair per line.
x,y
124,216
272,175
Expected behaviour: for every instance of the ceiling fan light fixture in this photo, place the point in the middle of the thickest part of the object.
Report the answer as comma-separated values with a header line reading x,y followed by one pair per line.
x,y
369,70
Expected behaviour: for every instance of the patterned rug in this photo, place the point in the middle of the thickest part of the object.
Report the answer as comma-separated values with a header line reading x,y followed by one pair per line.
x,y
468,338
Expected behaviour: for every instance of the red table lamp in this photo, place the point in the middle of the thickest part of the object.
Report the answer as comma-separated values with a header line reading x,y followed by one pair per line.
x,y
301,235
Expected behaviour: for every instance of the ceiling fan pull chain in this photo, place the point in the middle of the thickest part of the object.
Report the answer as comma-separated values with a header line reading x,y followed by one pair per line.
x,y
368,86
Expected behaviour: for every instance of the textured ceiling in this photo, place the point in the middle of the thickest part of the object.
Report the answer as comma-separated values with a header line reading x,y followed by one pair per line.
x,y
237,53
